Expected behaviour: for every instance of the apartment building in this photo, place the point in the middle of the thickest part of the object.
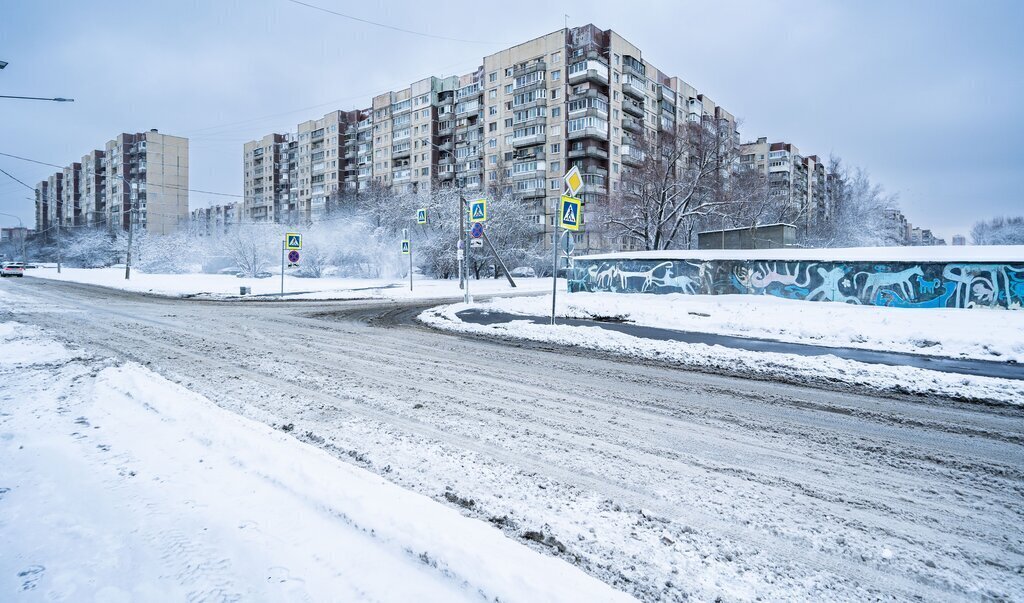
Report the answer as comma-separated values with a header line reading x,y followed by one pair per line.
x,y
896,229
217,219
148,169
798,180
581,97
959,240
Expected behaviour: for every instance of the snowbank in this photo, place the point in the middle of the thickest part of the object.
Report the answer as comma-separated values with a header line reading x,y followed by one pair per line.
x,y
971,253
119,485
951,333
769,365
227,285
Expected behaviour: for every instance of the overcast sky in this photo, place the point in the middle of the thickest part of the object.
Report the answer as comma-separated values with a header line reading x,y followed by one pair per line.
x,y
926,96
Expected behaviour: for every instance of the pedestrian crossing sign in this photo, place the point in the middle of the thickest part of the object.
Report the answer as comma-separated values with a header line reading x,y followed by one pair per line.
x,y
478,210
405,247
569,213
421,215
293,240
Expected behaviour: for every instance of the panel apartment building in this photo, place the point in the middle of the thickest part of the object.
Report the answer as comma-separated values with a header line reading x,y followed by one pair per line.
x,y
579,96
797,179
98,190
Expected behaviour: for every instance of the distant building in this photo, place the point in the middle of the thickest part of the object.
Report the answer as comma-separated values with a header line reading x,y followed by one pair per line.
x,y
149,167
770,236
217,219
959,240
800,180
895,227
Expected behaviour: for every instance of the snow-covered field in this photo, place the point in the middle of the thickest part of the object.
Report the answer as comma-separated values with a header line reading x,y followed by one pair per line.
x,y
956,333
118,485
823,324
226,285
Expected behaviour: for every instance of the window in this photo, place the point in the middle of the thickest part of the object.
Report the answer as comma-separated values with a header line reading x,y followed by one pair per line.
x,y
508,72
556,148
492,93
554,185
556,75
492,127
556,57
556,166
556,112
493,159
555,93
556,130
508,89
581,123
492,76
529,78
492,143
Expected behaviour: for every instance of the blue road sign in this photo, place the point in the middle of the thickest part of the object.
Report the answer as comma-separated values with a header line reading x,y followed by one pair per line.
x,y
569,213
421,216
477,231
478,210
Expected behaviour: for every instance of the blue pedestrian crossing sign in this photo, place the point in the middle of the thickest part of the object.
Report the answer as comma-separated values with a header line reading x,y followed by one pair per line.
x,y
293,240
478,210
421,215
405,247
570,213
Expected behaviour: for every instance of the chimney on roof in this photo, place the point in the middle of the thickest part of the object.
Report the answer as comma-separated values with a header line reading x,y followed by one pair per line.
x,y
152,129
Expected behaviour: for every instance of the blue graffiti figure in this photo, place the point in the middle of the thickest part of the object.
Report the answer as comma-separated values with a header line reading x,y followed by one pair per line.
x,y
928,286
889,297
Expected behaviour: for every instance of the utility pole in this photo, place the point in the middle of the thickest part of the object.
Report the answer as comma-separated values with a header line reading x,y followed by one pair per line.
x,y
131,229
56,211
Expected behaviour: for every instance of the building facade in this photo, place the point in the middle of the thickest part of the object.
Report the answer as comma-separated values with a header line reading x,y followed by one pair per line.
x,y
797,180
217,219
582,97
137,178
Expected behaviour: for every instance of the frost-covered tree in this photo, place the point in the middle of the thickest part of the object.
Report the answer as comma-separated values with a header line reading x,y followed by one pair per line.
x,y
252,247
679,181
999,231
857,210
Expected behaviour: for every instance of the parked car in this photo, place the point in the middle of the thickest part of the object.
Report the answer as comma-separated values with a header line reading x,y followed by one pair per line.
x,y
524,272
12,269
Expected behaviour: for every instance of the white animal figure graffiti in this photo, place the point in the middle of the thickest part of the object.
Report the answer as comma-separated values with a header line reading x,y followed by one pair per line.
x,y
764,276
875,280
983,292
828,290
682,282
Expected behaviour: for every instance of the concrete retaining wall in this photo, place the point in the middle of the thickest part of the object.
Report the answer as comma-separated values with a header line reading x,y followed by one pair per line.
x,y
879,283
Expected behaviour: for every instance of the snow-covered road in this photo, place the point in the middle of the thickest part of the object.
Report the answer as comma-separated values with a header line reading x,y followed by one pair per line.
x,y
663,482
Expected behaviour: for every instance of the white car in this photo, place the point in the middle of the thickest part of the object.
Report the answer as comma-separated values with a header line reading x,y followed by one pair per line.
x,y
12,269
524,272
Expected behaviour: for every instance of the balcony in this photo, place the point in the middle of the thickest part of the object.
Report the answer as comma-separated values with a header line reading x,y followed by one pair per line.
x,y
402,175
588,71
631,155
589,132
527,141
634,86
633,125
529,68
400,153
589,150
633,107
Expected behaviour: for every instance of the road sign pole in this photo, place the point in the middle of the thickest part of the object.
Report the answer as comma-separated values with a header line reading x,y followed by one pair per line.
x,y
465,235
410,264
462,226
554,272
283,246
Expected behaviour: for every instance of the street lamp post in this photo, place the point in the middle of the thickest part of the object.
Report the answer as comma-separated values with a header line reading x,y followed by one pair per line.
x,y
58,99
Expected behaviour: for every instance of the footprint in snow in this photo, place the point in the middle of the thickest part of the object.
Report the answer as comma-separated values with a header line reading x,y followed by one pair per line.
x,y
31,576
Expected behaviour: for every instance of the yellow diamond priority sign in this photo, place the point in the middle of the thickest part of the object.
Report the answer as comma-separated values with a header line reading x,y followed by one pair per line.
x,y
569,213
573,180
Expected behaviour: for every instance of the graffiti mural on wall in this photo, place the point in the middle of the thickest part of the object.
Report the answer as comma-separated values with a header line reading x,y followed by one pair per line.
x,y
897,284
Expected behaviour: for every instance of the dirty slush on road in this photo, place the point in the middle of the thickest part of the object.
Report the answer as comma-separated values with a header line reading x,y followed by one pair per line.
x,y
666,483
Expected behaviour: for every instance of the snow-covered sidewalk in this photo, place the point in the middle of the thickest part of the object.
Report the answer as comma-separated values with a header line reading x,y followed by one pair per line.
x,y
979,334
117,485
222,286
984,334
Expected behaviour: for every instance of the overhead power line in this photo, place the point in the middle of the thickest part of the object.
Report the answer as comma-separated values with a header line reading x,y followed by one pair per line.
x,y
392,27
61,167
31,188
